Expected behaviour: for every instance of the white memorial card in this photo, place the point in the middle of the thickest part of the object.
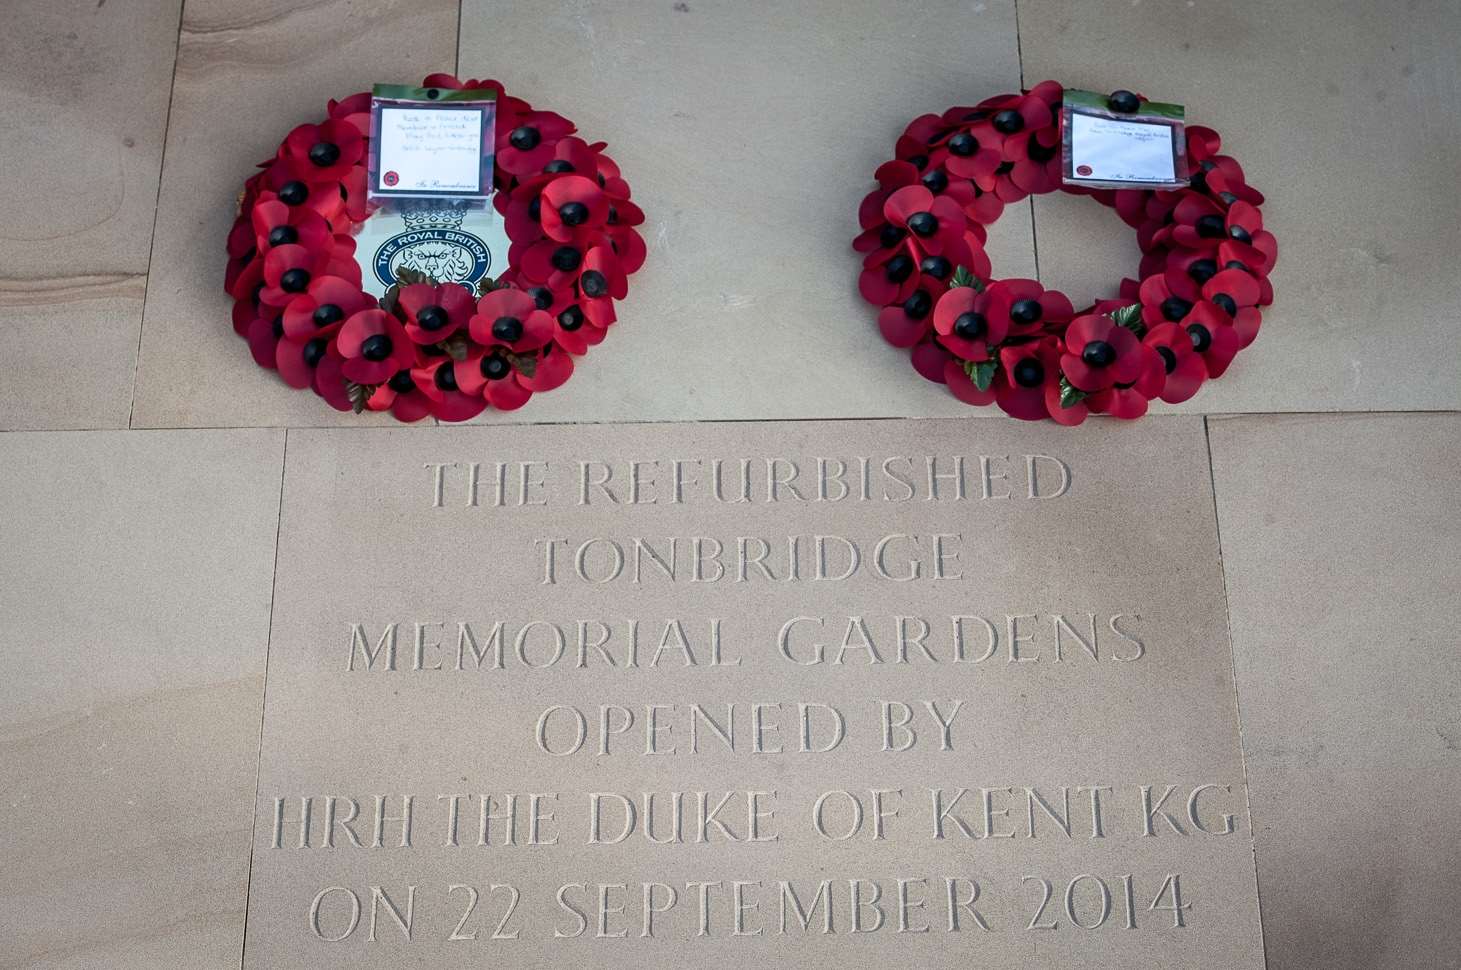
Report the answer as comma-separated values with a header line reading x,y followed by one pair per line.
x,y
435,150
1108,150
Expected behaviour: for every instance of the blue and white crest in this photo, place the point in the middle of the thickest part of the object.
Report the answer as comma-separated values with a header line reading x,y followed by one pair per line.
x,y
434,243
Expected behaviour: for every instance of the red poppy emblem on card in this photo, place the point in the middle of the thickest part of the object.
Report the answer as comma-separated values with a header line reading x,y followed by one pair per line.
x,y
390,178
1079,170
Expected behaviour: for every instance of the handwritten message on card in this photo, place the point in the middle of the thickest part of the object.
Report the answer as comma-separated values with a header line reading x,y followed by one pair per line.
x,y
430,150
1120,151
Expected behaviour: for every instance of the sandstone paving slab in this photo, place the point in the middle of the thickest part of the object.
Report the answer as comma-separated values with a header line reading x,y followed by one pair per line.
x,y
84,112
1339,537
136,584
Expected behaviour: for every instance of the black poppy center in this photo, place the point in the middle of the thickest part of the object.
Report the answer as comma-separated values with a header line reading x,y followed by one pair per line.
x,y
899,268
1169,359
326,314
1240,234
283,236
445,377
1228,304
566,258
495,367
278,327
1026,311
1202,270
525,138
376,347
963,144
923,224
573,213
535,209
1174,308
1123,101
324,153
918,161
431,318
1201,337
558,165
542,297
936,266
293,193
509,329
1005,168
571,318
1039,151
891,235
1008,121
294,280
314,351
1210,227
935,180
1098,353
401,382
918,305
593,283
970,325
1029,373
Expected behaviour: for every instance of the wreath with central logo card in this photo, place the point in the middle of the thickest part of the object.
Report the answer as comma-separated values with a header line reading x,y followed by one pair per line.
x,y
1015,343
444,321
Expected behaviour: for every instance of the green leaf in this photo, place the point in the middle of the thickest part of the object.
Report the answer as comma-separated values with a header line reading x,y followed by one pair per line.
x,y
1070,395
962,277
486,285
390,300
527,364
981,372
1129,317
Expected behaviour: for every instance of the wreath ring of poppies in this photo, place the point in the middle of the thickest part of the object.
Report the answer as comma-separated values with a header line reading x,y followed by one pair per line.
x,y
1011,342
430,348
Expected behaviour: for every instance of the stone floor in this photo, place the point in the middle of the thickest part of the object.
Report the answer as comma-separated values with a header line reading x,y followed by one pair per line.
x,y
143,451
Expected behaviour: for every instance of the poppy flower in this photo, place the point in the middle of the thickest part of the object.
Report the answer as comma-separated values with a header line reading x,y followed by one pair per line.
x,y
329,300
1236,293
628,245
400,395
297,357
1213,337
1027,383
934,224
330,150
965,324
529,145
276,224
905,324
449,401
1098,354
890,275
288,269
375,345
1007,116
965,156
1183,369
510,318
493,377
1037,167
264,332
1027,306
1159,304
551,263
244,278
354,110
1129,401
572,329
330,382
436,311
290,181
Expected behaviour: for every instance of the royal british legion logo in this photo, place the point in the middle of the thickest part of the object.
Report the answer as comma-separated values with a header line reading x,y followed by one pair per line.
x,y
434,243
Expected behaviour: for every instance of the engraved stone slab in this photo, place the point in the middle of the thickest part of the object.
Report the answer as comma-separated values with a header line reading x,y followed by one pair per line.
x,y
1339,536
135,588
859,694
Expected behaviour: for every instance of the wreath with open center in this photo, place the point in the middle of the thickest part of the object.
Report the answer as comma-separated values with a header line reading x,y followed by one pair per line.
x,y
1012,342
430,347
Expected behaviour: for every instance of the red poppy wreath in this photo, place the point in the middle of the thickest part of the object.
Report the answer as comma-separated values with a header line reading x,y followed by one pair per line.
x,y
1011,342
429,347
